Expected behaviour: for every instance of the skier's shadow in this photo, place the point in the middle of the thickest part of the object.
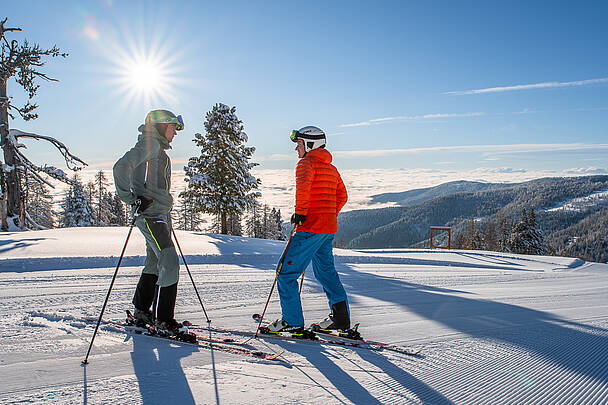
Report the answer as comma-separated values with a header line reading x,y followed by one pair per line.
x,y
160,377
324,360
515,325
17,244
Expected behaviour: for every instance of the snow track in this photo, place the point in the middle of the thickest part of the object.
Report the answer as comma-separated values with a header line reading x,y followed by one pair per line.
x,y
494,328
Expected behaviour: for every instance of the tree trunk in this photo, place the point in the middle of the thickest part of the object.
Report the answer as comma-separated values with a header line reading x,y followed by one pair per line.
x,y
224,223
11,177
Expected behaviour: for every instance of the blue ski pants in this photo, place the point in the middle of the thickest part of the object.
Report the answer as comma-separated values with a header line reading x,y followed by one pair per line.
x,y
304,247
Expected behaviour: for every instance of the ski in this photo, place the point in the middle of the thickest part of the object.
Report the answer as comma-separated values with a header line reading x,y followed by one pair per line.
x,y
186,324
350,338
312,337
343,336
207,345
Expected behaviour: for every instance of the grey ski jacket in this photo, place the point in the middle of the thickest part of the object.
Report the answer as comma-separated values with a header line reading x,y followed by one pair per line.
x,y
145,170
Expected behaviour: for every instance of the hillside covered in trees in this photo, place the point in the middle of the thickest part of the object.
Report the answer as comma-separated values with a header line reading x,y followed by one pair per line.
x,y
571,213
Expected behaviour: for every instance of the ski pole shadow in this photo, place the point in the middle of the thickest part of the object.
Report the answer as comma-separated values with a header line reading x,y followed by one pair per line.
x,y
214,372
84,385
318,357
324,359
160,377
419,389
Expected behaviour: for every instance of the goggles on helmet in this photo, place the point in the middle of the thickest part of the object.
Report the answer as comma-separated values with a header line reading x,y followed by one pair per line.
x,y
294,135
178,121
179,125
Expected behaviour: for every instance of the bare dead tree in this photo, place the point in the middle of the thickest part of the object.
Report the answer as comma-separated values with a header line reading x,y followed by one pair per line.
x,y
23,62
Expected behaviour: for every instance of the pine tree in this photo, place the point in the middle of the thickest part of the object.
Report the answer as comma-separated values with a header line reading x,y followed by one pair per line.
x,y
76,210
234,225
537,240
504,230
118,212
253,222
215,226
219,180
276,225
38,204
91,191
106,209
471,239
525,237
265,222
103,209
490,237
187,218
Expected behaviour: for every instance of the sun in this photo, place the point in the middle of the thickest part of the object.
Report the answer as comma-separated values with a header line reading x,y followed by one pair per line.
x,y
145,76
143,71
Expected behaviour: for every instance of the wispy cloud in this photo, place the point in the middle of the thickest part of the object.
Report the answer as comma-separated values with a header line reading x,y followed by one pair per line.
x,y
483,149
412,117
528,87
276,157
489,152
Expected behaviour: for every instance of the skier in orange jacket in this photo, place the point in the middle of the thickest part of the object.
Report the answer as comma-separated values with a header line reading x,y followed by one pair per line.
x,y
320,195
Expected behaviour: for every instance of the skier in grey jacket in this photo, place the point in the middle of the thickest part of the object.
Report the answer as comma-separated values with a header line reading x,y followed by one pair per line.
x,y
143,179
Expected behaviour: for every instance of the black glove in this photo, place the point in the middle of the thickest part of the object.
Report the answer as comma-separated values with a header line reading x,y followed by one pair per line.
x,y
141,204
298,219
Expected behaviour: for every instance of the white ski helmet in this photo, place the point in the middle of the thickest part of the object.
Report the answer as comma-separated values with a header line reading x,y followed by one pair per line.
x,y
313,137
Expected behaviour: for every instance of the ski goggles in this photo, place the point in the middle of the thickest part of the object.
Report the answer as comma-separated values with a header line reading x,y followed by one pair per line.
x,y
294,135
167,119
179,125
178,121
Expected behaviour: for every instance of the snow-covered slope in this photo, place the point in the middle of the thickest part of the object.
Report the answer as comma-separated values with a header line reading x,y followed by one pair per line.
x,y
493,328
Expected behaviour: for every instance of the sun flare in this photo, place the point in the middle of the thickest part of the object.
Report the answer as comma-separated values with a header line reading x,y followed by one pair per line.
x,y
144,70
145,76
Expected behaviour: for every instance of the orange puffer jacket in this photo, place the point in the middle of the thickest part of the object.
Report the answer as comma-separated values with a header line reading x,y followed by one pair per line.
x,y
320,192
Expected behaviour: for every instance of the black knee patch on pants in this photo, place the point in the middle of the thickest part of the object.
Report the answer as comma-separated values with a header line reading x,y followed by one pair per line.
x,y
160,232
144,293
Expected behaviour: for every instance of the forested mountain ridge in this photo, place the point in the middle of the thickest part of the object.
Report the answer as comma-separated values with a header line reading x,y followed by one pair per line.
x,y
409,226
411,197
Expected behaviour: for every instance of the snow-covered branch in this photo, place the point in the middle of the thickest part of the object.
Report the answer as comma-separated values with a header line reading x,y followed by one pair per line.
x,y
25,162
72,162
34,223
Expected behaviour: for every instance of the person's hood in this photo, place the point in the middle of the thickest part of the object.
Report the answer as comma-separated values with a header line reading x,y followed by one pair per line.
x,y
320,154
150,131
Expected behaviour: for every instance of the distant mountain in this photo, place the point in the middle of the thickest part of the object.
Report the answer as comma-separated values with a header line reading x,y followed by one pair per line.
x,y
411,197
563,224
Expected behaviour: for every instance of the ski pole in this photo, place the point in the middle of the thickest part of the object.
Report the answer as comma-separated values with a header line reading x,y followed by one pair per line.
x,y
86,359
190,274
279,266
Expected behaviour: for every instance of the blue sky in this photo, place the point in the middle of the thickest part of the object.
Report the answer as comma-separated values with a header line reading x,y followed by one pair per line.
x,y
448,86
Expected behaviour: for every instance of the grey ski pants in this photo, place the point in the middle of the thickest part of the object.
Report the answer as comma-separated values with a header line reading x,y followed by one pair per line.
x,y
161,256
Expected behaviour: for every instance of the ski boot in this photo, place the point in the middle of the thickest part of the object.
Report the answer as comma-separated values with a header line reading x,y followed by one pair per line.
x,y
143,318
174,330
279,326
337,323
